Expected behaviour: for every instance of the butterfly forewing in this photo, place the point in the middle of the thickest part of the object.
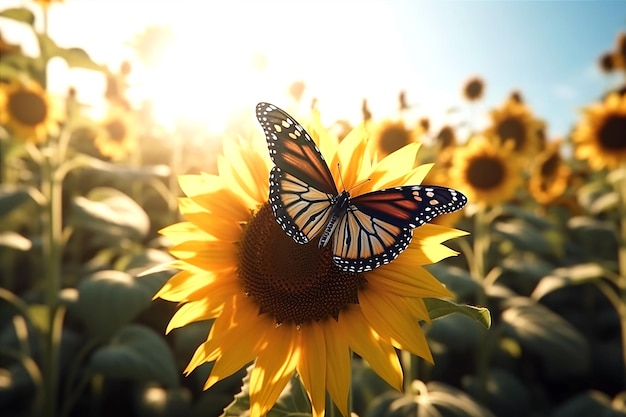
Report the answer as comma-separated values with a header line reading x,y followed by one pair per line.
x,y
410,206
292,149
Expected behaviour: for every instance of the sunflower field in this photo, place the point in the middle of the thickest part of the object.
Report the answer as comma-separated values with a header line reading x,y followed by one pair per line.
x,y
151,270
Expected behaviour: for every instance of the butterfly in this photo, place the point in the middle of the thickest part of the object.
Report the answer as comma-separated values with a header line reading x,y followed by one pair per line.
x,y
365,231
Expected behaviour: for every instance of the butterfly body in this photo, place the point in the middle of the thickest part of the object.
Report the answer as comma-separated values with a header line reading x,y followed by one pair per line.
x,y
365,231
340,206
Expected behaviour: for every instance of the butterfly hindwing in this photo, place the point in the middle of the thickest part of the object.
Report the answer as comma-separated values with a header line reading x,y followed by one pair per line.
x,y
301,210
379,225
362,242
292,149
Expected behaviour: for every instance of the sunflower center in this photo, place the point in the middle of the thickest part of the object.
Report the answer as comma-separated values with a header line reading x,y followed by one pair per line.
x,y
292,282
512,128
485,172
392,138
28,108
550,166
612,133
116,130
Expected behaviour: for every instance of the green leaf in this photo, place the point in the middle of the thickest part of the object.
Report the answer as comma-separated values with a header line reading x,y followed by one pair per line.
x,y
506,394
47,48
139,353
456,279
438,307
563,349
434,399
564,277
107,300
19,14
112,213
518,212
604,203
293,401
13,197
117,171
524,236
591,403
152,400
456,332
78,58
15,241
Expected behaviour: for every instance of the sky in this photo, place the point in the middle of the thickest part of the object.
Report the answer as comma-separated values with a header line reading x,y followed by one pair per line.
x,y
346,51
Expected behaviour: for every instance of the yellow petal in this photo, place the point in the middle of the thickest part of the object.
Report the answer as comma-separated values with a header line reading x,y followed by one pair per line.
x,y
393,320
181,232
242,178
393,167
367,343
178,287
408,280
273,368
242,344
326,142
212,256
312,365
210,193
219,227
353,159
193,311
434,233
338,359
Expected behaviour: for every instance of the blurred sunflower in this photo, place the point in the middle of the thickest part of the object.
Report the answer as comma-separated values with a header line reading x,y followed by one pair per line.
x,y
600,137
390,135
116,135
514,121
27,111
487,172
550,175
47,3
473,89
287,305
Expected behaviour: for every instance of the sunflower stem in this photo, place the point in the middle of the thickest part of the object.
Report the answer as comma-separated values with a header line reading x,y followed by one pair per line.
x,y
52,235
621,309
481,246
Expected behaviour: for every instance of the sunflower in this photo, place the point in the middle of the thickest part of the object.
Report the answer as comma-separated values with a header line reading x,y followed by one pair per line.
x,y
288,306
486,171
390,135
550,175
27,111
116,135
600,137
47,3
514,121
474,89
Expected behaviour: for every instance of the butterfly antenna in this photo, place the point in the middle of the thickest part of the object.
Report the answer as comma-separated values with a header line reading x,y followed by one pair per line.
x,y
344,185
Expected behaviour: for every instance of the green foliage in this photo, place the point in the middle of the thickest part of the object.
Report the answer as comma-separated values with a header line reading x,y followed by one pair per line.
x,y
136,352
439,308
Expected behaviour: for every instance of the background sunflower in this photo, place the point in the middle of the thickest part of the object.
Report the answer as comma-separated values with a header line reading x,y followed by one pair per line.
x,y
599,137
487,172
27,111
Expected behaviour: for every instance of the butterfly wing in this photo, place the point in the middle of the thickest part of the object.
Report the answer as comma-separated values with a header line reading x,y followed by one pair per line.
x,y
379,225
301,211
301,186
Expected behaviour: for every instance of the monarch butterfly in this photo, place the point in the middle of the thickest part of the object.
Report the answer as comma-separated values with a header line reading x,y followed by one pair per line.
x,y
366,231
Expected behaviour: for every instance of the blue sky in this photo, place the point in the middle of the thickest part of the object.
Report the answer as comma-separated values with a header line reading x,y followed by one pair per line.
x,y
546,49
347,50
